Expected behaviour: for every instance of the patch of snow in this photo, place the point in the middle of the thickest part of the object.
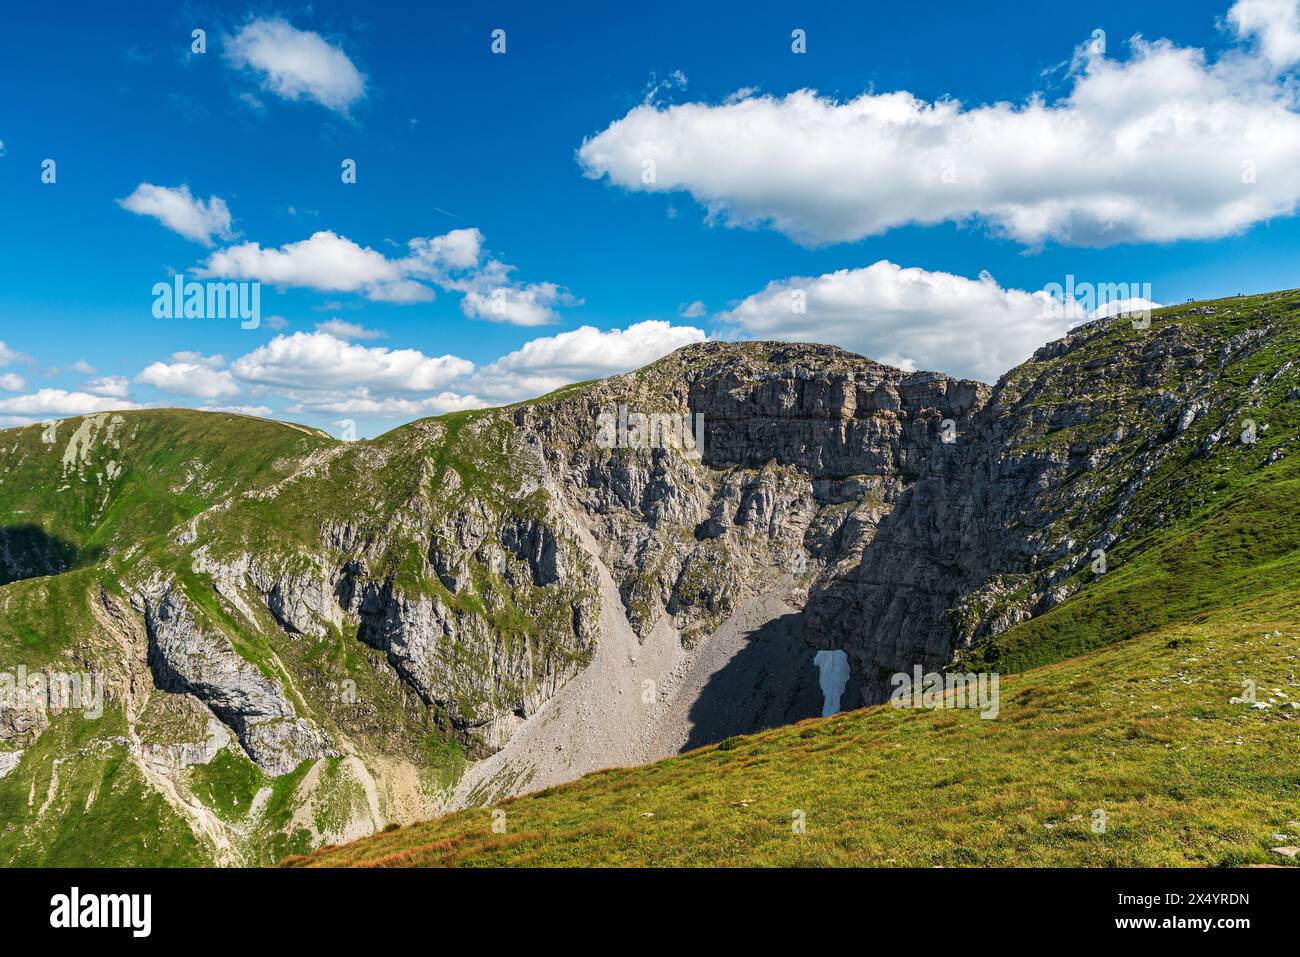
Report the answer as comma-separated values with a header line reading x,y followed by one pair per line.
x,y
833,669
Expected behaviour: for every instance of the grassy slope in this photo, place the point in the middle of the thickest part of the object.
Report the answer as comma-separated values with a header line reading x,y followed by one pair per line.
x,y
78,801
169,465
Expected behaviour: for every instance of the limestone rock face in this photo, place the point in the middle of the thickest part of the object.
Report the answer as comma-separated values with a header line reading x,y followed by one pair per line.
x,y
1042,479
804,448
186,658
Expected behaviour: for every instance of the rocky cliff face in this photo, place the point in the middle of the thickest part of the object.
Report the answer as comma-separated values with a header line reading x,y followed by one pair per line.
x,y
187,658
1076,451
468,581
805,448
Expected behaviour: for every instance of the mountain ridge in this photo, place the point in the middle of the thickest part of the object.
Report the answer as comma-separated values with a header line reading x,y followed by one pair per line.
x,y
357,634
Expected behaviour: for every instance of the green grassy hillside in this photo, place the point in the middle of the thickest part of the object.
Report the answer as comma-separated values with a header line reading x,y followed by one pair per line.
x,y
80,489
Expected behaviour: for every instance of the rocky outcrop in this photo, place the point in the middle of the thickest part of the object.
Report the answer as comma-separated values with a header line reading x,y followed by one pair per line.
x,y
483,605
481,677
183,754
21,725
805,448
8,761
997,524
189,657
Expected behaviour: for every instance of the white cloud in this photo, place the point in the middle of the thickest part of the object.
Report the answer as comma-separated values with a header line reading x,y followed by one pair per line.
x,y
217,361
1162,146
361,402
10,356
12,382
530,305
348,330
325,261
435,258
319,372
190,374
297,64
1122,307
181,212
57,402
454,261
258,410
693,311
545,364
111,386
82,366
317,360
1274,24
910,318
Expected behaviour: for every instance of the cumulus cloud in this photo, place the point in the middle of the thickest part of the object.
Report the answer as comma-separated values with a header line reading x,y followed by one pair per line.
x,y
362,402
82,366
693,311
455,261
182,213
297,64
529,305
325,261
110,386
317,360
261,411
191,374
1123,307
1160,146
545,364
10,356
12,382
348,330
1273,24
439,256
911,318
197,358
58,402
320,372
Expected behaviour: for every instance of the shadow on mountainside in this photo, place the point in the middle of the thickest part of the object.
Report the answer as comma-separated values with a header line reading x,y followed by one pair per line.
x,y
28,551
770,681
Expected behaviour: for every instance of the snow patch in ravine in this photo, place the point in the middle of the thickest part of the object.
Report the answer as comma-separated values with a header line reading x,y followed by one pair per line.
x,y
833,668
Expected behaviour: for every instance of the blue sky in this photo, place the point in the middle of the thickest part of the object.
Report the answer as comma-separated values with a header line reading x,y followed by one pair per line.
x,y
225,164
